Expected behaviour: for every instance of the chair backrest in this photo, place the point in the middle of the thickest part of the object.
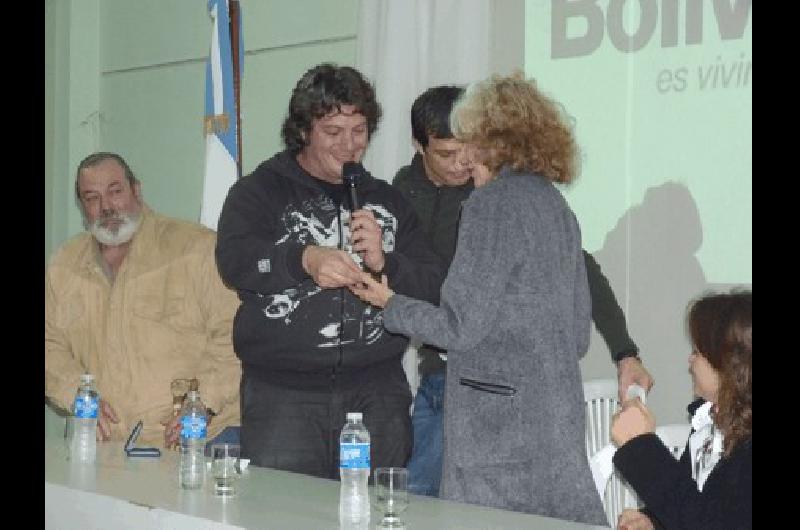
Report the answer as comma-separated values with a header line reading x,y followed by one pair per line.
x,y
674,436
602,403
601,400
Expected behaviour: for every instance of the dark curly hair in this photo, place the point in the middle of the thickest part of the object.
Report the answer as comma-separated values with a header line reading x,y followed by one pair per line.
x,y
322,90
721,330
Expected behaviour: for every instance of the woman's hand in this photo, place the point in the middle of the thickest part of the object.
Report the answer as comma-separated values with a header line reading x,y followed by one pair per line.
x,y
633,420
634,520
371,291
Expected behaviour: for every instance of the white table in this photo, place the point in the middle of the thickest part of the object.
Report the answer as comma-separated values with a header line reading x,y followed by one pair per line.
x,y
142,493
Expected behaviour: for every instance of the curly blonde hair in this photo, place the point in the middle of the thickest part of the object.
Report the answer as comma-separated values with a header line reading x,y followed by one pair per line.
x,y
515,125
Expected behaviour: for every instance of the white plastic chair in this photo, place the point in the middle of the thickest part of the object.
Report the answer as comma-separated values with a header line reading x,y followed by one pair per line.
x,y
674,436
602,403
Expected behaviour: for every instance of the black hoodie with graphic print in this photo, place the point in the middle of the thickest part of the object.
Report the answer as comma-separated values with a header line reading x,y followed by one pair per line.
x,y
287,327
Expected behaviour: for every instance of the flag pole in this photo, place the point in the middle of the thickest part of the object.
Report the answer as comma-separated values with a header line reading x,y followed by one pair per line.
x,y
234,18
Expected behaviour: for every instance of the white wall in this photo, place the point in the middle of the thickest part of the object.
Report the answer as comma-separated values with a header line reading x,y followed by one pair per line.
x,y
661,94
130,77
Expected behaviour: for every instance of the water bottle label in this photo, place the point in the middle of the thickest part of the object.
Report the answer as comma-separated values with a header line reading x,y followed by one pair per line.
x,y
193,427
354,456
86,407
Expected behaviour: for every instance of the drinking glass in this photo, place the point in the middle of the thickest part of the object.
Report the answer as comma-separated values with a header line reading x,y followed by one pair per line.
x,y
69,435
391,495
225,468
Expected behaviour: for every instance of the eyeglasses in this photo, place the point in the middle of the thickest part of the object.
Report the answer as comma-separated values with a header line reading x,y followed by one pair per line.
x,y
179,388
181,385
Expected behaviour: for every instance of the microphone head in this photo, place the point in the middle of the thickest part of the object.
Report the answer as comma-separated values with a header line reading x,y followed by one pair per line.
x,y
351,171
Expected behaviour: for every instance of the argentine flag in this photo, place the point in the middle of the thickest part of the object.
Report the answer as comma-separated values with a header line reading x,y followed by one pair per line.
x,y
222,148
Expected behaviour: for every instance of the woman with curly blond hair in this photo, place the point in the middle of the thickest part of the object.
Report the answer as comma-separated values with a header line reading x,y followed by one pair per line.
x,y
712,485
514,313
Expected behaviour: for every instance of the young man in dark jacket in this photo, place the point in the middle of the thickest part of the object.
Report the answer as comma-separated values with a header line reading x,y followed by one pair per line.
x,y
436,182
290,244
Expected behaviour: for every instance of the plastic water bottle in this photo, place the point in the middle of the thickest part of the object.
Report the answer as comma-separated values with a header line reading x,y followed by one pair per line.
x,y
354,470
83,447
193,440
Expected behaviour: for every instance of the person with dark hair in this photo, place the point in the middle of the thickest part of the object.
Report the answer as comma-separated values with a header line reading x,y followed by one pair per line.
x,y
711,487
513,315
437,182
289,244
137,302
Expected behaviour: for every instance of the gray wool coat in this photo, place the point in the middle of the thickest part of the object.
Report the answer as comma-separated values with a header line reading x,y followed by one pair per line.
x,y
514,315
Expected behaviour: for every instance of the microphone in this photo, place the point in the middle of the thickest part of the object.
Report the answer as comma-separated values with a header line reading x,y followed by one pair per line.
x,y
351,171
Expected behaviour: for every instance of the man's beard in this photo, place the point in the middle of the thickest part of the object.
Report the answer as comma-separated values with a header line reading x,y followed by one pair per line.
x,y
128,225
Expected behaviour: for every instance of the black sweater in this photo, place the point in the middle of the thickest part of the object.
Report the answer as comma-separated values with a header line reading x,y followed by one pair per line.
x,y
670,495
287,328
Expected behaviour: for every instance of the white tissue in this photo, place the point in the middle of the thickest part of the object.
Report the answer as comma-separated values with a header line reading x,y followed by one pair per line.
x,y
635,390
602,465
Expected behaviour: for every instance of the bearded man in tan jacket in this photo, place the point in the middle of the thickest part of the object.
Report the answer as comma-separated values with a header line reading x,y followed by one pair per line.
x,y
137,302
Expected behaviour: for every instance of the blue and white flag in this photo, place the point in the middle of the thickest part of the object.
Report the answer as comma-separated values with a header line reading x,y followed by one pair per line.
x,y
222,147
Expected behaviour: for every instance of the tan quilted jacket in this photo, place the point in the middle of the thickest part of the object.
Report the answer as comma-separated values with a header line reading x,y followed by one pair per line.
x,y
166,316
